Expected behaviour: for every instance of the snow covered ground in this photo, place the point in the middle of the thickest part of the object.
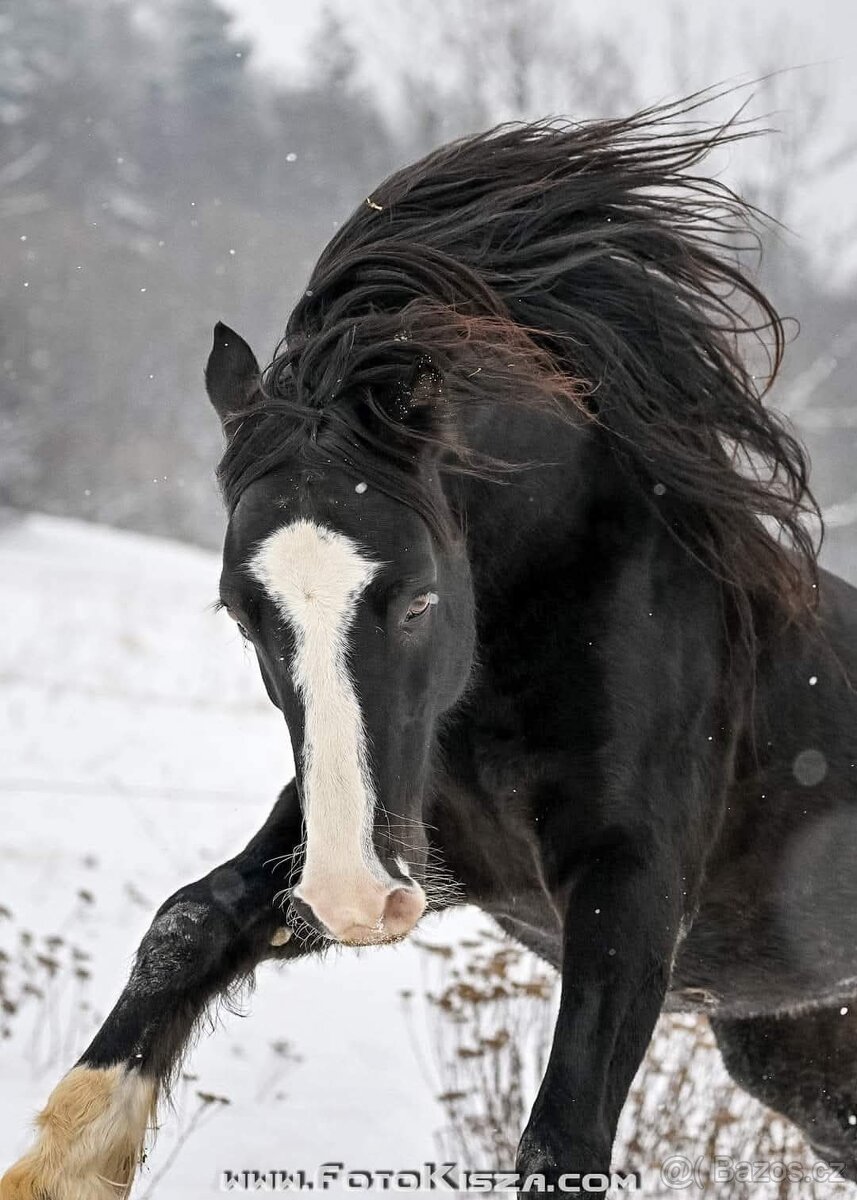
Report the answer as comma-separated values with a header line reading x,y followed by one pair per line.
x,y
138,750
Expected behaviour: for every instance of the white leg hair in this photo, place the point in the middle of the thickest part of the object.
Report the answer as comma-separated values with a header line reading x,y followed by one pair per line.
x,y
90,1138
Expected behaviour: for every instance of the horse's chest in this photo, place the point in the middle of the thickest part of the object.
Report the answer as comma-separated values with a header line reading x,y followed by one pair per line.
x,y
490,846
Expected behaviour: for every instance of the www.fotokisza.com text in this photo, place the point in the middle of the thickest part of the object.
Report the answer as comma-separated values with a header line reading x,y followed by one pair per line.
x,y
427,1177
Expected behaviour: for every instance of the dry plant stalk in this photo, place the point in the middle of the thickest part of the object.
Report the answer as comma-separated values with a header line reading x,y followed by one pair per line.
x,y
491,1008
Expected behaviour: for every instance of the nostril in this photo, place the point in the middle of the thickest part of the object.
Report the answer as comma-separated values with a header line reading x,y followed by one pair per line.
x,y
398,904
308,916
402,909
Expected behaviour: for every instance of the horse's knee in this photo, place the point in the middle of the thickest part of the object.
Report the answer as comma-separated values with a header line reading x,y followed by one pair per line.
x,y
208,923
186,937
89,1140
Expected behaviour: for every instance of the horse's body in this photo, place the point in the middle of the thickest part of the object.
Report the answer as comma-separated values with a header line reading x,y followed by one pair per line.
x,y
777,922
533,643
776,928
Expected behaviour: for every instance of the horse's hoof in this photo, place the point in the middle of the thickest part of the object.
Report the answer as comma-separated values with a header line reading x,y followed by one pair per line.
x,y
557,1163
90,1138
20,1183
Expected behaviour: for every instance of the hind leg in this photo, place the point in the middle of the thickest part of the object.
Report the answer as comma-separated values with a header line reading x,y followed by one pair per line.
x,y
206,937
805,1067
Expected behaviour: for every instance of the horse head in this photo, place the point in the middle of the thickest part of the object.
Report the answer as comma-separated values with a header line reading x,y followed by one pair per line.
x,y
361,616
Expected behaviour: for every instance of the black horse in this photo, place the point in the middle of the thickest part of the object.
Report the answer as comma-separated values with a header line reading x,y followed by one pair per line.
x,y
524,561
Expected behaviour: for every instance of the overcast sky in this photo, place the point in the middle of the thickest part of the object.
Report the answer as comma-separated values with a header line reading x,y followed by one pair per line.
x,y
730,40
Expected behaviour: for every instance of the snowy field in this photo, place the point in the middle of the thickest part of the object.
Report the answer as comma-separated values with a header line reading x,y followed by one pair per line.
x,y
139,750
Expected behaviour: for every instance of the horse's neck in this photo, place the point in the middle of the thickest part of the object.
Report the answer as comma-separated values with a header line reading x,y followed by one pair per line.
x,y
542,509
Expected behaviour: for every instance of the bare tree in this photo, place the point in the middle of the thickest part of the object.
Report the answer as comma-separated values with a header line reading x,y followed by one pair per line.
x,y
474,65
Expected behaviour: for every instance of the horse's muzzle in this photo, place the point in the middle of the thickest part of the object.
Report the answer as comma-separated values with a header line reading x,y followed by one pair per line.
x,y
362,911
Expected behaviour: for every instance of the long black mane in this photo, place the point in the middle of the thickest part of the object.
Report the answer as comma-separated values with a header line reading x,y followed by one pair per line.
x,y
583,268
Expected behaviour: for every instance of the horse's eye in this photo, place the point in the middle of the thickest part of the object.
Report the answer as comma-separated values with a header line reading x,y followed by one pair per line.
x,y
420,605
241,628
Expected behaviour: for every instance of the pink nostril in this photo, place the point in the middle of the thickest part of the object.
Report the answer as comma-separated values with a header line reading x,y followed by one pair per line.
x,y
402,909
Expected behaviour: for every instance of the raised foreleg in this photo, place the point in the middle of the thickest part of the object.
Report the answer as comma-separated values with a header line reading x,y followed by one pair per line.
x,y
207,937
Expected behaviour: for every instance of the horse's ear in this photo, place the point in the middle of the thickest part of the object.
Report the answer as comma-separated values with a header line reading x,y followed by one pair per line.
x,y
231,374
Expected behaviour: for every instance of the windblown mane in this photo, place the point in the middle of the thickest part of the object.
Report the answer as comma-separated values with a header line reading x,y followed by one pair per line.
x,y
582,268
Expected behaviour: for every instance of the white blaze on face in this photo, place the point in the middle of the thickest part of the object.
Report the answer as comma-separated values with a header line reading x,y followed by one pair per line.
x,y
315,576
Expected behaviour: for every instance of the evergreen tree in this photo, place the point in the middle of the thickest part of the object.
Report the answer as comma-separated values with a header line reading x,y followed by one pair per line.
x,y
211,60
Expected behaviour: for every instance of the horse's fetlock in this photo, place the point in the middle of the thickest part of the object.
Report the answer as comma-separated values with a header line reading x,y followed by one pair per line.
x,y
90,1138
